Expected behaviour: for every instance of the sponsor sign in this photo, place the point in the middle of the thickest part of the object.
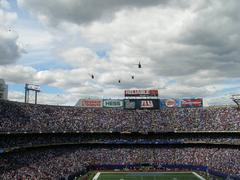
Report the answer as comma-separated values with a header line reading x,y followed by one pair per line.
x,y
33,87
170,103
141,93
141,104
192,102
130,104
147,104
91,103
112,103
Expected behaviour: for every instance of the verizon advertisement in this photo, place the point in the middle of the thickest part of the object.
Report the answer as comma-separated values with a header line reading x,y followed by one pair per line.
x,y
141,93
141,104
189,103
94,103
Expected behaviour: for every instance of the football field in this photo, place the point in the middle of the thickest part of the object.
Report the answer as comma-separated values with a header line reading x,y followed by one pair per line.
x,y
147,176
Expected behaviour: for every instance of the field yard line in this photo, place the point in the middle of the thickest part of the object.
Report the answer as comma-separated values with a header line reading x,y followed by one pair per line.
x,y
200,177
96,176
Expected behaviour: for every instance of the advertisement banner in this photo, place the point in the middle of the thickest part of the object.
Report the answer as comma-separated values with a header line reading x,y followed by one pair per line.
x,y
170,103
91,103
130,103
112,103
192,102
32,87
141,104
141,93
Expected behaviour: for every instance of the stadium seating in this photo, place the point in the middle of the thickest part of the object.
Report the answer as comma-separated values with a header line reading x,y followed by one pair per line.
x,y
53,142
19,117
55,163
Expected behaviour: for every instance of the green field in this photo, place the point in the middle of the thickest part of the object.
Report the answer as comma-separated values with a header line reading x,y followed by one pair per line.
x,y
147,176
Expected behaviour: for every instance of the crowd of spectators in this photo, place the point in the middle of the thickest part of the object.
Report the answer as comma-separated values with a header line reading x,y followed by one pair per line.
x,y
59,162
54,163
22,141
20,117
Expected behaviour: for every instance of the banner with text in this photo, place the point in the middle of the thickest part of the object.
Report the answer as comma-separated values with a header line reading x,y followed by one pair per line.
x,y
141,104
112,103
141,93
189,103
91,103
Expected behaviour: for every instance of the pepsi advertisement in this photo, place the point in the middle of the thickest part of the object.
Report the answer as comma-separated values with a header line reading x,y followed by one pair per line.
x,y
191,103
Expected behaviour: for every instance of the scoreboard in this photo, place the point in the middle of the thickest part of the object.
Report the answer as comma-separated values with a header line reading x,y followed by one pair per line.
x,y
141,93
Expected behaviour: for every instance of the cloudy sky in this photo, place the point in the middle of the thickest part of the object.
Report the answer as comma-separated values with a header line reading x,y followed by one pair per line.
x,y
187,48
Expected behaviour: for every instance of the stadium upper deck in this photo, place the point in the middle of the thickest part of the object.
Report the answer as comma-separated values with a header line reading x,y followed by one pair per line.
x,y
20,117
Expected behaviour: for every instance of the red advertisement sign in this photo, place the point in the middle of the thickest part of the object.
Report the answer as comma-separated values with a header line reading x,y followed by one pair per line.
x,y
90,103
192,102
141,93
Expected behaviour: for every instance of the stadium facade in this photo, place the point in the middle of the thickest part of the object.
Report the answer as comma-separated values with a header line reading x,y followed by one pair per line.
x,y
3,90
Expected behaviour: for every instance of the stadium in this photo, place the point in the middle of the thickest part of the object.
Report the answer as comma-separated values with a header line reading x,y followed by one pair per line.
x,y
94,141
119,90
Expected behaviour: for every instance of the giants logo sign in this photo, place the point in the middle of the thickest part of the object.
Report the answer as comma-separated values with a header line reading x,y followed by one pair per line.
x,y
146,104
141,104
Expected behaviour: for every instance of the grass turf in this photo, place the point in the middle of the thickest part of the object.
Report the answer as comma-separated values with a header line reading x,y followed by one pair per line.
x,y
148,176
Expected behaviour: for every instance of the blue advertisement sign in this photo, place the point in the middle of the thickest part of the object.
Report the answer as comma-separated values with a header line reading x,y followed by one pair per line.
x,y
170,103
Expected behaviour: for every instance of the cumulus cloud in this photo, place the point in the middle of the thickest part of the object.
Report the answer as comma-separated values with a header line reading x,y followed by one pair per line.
x,y
4,4
9,50
80,57
83,11
17,73
200,43
187,48
45,98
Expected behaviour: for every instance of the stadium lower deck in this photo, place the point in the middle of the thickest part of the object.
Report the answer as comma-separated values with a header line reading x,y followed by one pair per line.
x,y
147,176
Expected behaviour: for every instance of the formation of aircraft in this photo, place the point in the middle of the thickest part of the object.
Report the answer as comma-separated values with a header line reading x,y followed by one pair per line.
x,y
139,65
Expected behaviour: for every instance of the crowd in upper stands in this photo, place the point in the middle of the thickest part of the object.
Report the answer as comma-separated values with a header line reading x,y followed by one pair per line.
x,y
56,163
20,117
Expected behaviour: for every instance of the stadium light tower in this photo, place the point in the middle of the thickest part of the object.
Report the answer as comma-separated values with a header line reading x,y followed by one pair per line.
x,y
236,99
31,87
